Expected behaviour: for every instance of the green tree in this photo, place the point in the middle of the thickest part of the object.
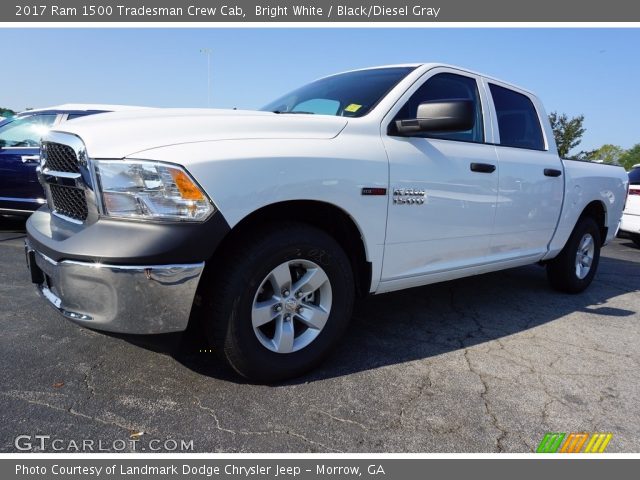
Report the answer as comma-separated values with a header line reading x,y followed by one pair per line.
x,y
608,153
631,157
567,132
6,112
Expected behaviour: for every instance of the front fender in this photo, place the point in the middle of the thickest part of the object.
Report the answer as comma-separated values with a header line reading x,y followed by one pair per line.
x,y
243,176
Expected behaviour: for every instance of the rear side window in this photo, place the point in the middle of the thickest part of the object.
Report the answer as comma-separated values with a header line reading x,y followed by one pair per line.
x,y
71,116
634,176
517,119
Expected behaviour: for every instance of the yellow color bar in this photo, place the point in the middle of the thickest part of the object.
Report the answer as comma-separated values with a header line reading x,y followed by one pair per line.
x,y
598,443
591,442
605,443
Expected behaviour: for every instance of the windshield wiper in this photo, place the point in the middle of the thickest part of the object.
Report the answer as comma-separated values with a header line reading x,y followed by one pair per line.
x,y
293,111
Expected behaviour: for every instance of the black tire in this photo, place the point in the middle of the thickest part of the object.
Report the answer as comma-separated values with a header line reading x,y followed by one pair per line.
x,y
561,271
636,239
232,287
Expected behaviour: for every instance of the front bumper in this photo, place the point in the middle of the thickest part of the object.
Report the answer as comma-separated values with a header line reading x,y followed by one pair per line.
x,y
141,299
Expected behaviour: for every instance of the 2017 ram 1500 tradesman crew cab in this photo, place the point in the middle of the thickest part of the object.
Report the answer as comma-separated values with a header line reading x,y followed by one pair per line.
x,y
264,225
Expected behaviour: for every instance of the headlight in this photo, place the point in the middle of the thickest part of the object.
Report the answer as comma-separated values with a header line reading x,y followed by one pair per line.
x,y
150,191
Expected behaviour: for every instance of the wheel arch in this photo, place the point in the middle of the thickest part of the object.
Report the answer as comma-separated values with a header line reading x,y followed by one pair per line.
x,y
326,216
597,210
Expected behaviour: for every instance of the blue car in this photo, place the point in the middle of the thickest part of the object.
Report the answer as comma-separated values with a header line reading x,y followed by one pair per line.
x,y
20,191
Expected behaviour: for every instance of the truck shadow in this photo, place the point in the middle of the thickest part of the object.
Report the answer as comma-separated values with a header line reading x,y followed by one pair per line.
x,y
425,322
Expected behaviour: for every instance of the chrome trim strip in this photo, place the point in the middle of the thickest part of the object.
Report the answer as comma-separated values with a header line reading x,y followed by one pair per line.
x,y
20,148
140,268
30,158
96,186
40,201
64,217
55,173
9,211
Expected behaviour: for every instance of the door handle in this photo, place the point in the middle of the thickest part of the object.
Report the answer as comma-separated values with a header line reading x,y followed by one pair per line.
x,y
552,172
30,158
482,167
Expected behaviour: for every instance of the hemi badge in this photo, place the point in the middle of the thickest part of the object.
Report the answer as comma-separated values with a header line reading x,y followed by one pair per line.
x,y
374,191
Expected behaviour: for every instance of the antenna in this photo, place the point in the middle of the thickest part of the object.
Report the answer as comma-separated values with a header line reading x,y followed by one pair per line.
x,y
207,52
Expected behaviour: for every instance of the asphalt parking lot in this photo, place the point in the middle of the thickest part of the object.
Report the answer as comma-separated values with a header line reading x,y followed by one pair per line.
x,y
484,364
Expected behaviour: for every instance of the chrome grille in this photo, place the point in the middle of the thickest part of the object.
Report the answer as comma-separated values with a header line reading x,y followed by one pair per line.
x,y
65,175
60,158
69,201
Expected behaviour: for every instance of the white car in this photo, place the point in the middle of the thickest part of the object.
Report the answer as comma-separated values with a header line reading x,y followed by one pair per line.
x,y
264,225
631,215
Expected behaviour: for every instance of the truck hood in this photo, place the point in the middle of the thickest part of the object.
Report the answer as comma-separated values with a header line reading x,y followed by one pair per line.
x,y
121,134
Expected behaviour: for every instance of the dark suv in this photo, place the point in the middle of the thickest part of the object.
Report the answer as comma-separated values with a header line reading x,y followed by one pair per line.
x,y
20,192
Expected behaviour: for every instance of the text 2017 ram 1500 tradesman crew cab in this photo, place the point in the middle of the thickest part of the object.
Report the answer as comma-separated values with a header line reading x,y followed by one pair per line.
x,y
264,225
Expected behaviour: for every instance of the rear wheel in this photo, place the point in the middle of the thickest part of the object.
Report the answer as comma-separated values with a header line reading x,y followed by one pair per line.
x,y
278,303
573,269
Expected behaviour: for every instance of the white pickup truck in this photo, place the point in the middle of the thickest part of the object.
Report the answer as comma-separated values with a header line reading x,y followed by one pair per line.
x,y
264,225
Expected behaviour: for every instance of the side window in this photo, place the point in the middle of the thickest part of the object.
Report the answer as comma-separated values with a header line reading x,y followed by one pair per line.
x,y
25,132
71,116
518,121
447,86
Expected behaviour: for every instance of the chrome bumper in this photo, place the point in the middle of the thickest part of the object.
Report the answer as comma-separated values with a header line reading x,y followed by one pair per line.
x,y
115,298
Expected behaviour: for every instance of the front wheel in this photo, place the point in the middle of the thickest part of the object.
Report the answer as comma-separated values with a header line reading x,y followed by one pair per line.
x,y
636,239
572,271
279,302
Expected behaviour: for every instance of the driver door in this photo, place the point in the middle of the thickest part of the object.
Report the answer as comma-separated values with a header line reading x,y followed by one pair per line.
x,y
443,187
19,157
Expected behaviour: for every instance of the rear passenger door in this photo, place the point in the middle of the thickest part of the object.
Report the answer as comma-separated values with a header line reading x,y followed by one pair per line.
x,y
531,183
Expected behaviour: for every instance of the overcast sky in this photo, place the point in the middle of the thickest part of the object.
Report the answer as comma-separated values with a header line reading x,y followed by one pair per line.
x,y
595,72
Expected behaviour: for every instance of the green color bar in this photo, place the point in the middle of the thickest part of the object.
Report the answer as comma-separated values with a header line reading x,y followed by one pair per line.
x,y
550,443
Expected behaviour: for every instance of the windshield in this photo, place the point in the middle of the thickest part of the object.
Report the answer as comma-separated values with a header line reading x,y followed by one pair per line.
x,y
351,94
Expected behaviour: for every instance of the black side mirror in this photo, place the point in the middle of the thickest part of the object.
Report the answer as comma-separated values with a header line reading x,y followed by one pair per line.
x,y
439,116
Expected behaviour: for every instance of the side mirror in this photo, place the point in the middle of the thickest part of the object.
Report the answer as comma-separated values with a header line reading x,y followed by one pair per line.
x,y
439,116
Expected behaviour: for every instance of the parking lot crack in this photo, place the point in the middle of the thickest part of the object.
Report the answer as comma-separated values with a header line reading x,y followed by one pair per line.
x,y
487,407
69,410
422,385
212,413
470,314
339,419
88,377
588,348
